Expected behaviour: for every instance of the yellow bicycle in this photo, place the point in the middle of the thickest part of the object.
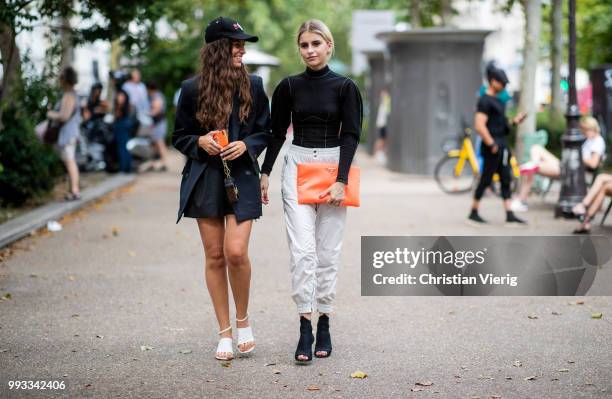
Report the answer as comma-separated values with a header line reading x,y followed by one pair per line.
x,y
458,171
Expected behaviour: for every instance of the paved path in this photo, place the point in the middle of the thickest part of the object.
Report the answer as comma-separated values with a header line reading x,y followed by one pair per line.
x,y
122,275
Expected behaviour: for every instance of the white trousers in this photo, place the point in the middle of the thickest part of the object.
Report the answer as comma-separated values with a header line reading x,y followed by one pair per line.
x,y
314,233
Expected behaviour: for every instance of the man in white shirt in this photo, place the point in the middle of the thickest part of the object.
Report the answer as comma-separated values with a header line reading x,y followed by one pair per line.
x,y
137,93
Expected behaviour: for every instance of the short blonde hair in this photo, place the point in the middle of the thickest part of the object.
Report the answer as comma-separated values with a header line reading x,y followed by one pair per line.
x,y
318,27
588,122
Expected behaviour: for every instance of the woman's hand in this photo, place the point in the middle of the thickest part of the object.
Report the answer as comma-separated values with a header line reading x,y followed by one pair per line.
x,y
264,183
208,144
233,150
335,192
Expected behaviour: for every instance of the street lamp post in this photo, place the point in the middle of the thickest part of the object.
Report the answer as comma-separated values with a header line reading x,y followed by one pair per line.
x,y
573,186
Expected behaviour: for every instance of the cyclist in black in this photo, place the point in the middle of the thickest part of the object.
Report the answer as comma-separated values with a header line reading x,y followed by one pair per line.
x,y
492,125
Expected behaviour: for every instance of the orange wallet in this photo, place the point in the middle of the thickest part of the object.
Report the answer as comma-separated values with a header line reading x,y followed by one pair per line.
x,y
220,136
314,178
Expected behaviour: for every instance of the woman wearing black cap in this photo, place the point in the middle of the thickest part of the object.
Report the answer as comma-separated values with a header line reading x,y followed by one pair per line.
x,y
220,185
326,111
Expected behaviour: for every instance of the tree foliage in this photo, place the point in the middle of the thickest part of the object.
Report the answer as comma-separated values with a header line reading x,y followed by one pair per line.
x,y
594,33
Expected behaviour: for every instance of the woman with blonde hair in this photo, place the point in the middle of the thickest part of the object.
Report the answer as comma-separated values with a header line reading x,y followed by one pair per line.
x,y
220,186
544,163
326,111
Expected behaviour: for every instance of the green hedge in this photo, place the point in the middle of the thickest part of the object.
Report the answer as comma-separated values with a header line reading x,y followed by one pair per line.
x,y
29,169
555,126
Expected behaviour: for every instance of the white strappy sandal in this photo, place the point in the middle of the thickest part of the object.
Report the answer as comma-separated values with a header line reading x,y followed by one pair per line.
x,y
225,346
245,335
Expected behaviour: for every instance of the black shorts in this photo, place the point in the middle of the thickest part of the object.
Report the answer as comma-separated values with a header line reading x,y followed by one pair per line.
x,y
208,198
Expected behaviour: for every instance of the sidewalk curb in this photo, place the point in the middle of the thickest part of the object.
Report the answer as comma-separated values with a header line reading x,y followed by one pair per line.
x,y
22,226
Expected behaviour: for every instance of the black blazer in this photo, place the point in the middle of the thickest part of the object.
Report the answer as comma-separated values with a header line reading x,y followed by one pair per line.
x,y
255,133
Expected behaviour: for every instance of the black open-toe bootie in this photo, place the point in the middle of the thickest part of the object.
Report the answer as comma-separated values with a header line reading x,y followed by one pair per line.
x,y
323,338
304,346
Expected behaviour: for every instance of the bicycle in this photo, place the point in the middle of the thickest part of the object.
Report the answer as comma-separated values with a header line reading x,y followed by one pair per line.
x,y
452,174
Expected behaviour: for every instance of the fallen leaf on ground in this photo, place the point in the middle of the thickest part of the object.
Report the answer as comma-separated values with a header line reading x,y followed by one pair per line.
x,y
185,351
424,383
33,275
226,364
313,388
597,315
563,370
74,315
530,378
146,348
532,316
571,361
358,374
7,296
579,302
115,231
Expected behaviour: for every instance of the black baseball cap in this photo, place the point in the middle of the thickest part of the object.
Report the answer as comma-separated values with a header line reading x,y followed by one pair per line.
x,y
498,74
222,27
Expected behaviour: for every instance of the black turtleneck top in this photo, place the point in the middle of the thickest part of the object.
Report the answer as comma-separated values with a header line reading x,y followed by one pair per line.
x,y
326,111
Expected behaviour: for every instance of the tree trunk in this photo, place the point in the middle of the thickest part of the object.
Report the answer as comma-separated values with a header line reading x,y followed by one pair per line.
x,y
11,65
556,57
67,43
447,12
533,14
415,14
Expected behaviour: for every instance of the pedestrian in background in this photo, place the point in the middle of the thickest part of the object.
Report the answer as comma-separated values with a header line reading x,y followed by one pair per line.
x,y
122,128
137,92
160,126
382,119
67,112
492,126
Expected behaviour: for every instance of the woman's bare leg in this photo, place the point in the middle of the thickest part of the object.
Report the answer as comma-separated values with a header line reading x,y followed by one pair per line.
x,y
549,164
526,184
600,180
596,203
163,153
236,247
73,175
212,231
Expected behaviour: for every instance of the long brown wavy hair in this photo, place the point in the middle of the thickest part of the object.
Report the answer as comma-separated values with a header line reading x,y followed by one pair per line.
x,y
219,80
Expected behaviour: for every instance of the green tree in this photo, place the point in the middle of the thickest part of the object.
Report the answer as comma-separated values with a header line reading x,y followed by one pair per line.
x,y
594,32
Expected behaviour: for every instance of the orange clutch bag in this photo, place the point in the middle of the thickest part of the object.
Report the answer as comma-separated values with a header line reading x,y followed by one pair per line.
x,y
314,178
220,136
